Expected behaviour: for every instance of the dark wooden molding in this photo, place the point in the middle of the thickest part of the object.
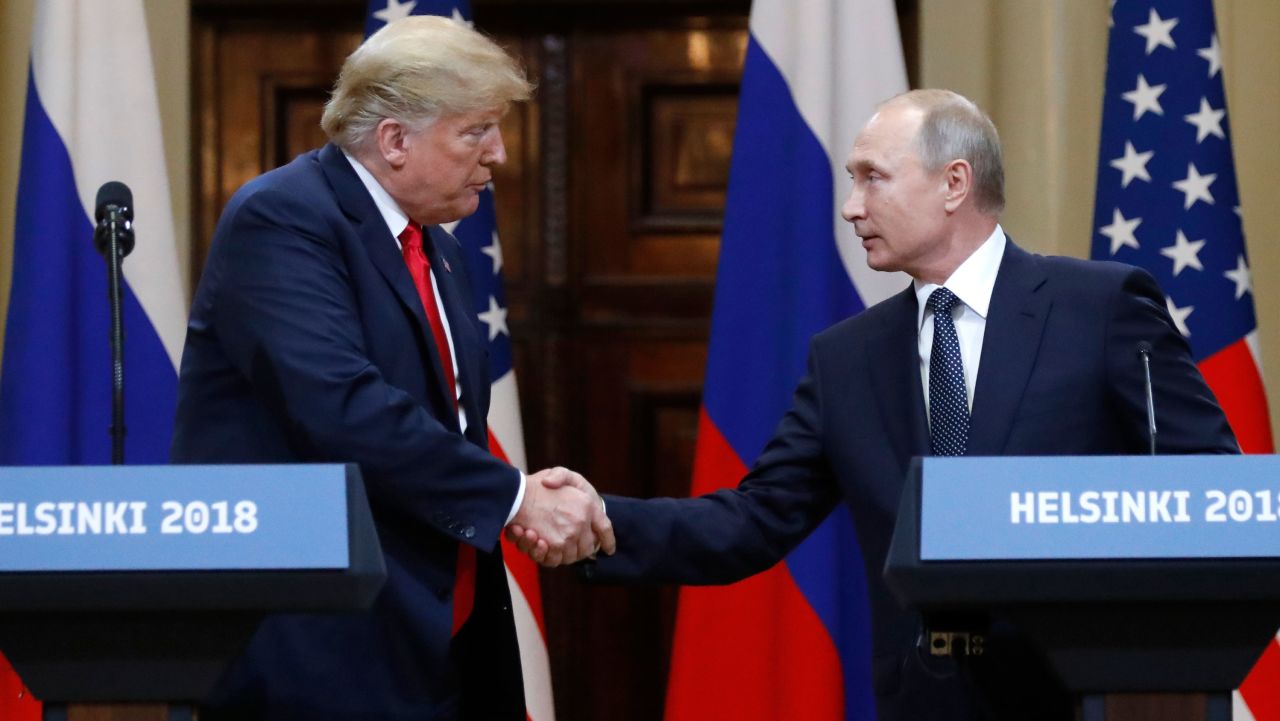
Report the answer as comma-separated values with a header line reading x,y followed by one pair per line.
x,y
553,94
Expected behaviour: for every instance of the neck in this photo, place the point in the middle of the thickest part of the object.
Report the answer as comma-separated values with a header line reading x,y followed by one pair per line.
x,y
956,251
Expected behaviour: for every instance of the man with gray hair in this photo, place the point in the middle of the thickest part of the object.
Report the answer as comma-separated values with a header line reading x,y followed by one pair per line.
x,y
991,350
331,324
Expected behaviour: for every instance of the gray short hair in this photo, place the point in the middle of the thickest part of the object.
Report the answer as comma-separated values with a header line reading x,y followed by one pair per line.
x,y
415,70
954,128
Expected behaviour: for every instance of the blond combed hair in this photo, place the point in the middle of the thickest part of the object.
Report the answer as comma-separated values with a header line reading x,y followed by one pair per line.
x,y
418,69
955,128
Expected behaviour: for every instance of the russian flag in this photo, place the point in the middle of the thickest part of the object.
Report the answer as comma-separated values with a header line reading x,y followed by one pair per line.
x,y
91,117
791,642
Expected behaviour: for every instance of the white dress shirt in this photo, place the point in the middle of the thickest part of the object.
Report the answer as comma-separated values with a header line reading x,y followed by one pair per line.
x,y
972,283
397,220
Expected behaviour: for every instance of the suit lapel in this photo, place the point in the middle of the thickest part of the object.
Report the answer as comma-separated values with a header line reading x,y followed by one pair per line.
x,y
1015,321
893,355
359,206
356,203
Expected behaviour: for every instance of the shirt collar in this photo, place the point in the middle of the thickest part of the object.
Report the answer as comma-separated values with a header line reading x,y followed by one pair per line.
x,y
397,220
973,282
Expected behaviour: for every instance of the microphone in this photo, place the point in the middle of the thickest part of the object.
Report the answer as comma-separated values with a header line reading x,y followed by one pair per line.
x,y
114,216
1144,352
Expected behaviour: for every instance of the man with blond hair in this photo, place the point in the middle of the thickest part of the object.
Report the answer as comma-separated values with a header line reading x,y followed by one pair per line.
x,y
332,325
991,350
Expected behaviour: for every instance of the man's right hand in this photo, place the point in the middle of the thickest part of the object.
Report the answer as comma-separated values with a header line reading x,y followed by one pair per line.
x,y
561,519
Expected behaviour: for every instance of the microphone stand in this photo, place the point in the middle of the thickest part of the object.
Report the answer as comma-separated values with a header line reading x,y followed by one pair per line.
x,y
1144,351
116,225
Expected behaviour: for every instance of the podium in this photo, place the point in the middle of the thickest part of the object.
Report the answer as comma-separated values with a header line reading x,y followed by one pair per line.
x,y
125,591
1150,584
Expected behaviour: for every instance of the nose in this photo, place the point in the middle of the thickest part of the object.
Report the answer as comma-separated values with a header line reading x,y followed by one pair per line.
x,y
854,207
496,151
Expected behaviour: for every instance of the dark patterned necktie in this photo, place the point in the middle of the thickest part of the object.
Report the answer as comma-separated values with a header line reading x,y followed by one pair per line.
x,y
948,399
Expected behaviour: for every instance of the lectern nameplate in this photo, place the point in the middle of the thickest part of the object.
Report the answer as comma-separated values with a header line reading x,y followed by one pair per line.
x,y
157,518
1087,508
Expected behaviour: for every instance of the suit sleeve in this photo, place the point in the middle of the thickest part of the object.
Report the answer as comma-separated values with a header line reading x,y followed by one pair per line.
x,y
733,533
1188,417
286,316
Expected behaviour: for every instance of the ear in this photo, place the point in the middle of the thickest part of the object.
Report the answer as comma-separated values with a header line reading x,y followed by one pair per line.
x,y
393,142
958,179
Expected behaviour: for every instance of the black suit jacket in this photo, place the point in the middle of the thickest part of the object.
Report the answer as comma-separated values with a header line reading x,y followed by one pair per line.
x,y
1059,375
308,343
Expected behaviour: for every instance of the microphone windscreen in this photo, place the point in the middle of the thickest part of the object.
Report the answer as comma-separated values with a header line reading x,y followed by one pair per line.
x,y
113,193
1144,347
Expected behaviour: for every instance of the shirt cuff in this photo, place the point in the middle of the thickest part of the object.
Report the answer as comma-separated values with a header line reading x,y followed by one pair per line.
x,y
515,507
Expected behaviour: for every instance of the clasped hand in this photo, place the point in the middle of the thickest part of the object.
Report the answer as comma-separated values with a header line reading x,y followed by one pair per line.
x,y
561,519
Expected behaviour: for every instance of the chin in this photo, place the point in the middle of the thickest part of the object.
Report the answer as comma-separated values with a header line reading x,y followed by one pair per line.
x,y
465,210
876,261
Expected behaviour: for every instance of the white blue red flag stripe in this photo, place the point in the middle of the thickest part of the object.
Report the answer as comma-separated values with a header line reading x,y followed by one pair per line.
x,y
1167,201
791,642
478,234
91,117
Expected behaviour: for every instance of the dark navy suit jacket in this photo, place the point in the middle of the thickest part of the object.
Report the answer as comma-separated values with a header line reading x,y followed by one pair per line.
x,y
1059,375
308,343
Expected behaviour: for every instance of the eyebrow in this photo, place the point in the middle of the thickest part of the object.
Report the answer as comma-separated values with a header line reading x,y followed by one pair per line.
x,y
864,164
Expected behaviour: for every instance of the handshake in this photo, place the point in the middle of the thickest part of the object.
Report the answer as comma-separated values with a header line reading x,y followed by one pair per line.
x,y
561,519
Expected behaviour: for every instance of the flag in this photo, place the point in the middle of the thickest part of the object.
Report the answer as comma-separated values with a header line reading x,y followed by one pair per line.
x,y
91,117
1167,201
791,642
478,235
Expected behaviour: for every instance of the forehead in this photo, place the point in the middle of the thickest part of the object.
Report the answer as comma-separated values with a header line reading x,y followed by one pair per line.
x,y
471,117
887,137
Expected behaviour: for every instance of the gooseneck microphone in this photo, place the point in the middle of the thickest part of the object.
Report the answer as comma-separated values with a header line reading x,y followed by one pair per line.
x,y
1144,352
113,215
113,237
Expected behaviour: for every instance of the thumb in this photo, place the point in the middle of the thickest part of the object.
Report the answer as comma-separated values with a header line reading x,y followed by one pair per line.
x,y
558,477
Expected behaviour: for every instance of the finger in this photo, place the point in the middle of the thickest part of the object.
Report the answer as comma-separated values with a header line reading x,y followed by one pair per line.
x,y
577,480
585,546
540,551
528,541
603,529
554,557
554,477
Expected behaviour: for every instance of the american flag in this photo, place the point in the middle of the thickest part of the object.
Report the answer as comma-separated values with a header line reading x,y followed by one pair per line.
x,y
478,234
1167,201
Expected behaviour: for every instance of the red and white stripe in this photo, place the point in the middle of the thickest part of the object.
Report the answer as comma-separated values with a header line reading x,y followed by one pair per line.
x,y
506,440
1235,375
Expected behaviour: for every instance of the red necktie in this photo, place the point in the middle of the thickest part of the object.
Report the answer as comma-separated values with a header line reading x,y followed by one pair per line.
x,y
464,586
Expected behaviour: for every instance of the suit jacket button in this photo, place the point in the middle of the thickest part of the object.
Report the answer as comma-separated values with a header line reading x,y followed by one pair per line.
x,y
469,532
